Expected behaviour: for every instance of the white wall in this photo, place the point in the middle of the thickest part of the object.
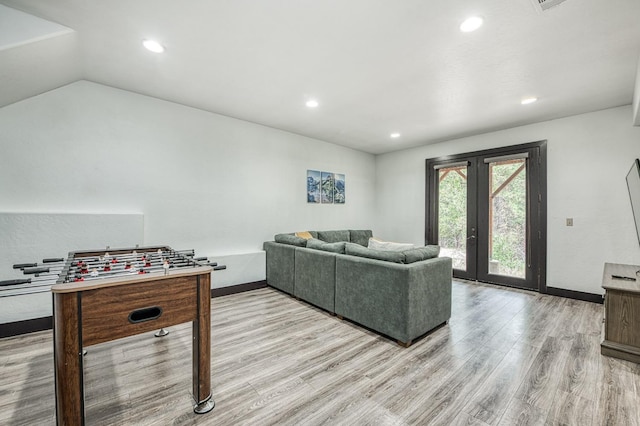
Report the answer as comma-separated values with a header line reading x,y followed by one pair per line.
x,y
589,156
223,186
31,237
216,184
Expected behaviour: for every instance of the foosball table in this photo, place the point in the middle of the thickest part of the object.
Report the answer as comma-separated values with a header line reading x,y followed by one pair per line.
x,y
104,295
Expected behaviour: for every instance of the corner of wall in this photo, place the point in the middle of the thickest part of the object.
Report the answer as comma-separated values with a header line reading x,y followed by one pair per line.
x,y
636,98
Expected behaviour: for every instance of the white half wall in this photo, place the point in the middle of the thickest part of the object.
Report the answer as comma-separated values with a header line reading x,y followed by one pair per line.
x,y
31,237
241,269
589,156
216,184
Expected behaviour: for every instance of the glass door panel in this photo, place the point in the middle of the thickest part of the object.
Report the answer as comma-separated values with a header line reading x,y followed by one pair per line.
x,y
452,214
487,211
507,204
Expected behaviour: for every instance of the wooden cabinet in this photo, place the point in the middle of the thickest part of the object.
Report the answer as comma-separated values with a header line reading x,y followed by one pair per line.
x,y
622,311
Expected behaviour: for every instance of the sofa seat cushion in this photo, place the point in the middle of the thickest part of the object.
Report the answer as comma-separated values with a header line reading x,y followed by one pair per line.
x,y
334,236
389,256
421,253
330,247
290,239
360,236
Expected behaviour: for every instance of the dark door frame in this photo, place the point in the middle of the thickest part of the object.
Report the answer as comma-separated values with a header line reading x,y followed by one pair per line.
x,y
536,189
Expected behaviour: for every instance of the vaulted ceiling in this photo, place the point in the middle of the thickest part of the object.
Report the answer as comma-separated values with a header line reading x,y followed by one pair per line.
x,y
376,67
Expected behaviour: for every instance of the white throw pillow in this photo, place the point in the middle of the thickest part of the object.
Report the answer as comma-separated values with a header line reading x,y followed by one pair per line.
x,y
388,245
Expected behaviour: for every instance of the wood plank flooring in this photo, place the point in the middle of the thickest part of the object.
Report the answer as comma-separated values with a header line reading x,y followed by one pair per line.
x,y
507,357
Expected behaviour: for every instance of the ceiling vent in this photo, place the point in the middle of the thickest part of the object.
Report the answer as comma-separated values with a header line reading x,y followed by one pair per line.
x,y
544,5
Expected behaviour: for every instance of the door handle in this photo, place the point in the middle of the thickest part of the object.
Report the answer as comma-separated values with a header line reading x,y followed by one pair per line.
x,y
472,237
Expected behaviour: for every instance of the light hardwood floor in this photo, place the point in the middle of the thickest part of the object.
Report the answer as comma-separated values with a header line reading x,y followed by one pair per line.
x,y
506,357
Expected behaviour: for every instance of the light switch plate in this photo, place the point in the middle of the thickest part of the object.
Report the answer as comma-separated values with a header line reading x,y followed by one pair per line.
x,y
569,221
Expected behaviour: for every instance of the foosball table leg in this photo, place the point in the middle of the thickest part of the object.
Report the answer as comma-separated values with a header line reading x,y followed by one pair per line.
x,y
161,333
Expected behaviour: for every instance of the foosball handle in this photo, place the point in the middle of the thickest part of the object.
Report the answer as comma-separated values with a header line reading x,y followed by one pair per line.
x,y
24,265
41,270
15,282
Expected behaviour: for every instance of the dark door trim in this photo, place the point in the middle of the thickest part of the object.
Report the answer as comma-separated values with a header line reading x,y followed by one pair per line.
x,y
538,218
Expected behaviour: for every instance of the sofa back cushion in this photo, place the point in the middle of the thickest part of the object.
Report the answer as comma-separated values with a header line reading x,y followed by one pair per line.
x,y
290,239
389,256
421,253
321,245
360,236
376,244
334,236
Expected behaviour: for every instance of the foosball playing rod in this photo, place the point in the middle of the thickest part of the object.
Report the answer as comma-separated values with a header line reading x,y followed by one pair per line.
x,y
132,255
42,270
12,291
44,262
98,259
25,281
39,271
126,272
146,269
120,267
10,288
22,291
54,276
13,287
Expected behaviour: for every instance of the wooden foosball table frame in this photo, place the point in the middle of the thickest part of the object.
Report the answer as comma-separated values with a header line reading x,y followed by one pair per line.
x,y
92,312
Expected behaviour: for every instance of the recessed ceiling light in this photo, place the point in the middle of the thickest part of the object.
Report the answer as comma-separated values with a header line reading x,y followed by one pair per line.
x,y
312,103
471,24
395,135
153,46
527,101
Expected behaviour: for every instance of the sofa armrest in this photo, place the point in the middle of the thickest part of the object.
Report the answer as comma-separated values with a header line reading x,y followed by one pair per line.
x,y
429,295
315,277
280,259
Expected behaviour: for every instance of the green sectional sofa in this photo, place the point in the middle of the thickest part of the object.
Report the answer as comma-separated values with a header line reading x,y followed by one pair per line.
x,y
401,294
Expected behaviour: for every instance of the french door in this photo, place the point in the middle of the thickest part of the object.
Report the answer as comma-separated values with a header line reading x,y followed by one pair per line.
x,y
487,211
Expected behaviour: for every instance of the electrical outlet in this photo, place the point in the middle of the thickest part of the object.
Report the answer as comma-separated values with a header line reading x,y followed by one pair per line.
x,y
569,221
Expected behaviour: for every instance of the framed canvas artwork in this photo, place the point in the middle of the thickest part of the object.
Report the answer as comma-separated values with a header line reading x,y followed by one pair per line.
x,y
326,184
313,186
338,189
325,187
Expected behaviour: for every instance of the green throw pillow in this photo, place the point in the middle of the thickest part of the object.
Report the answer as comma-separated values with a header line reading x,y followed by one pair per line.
x,y
388,256
290,239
